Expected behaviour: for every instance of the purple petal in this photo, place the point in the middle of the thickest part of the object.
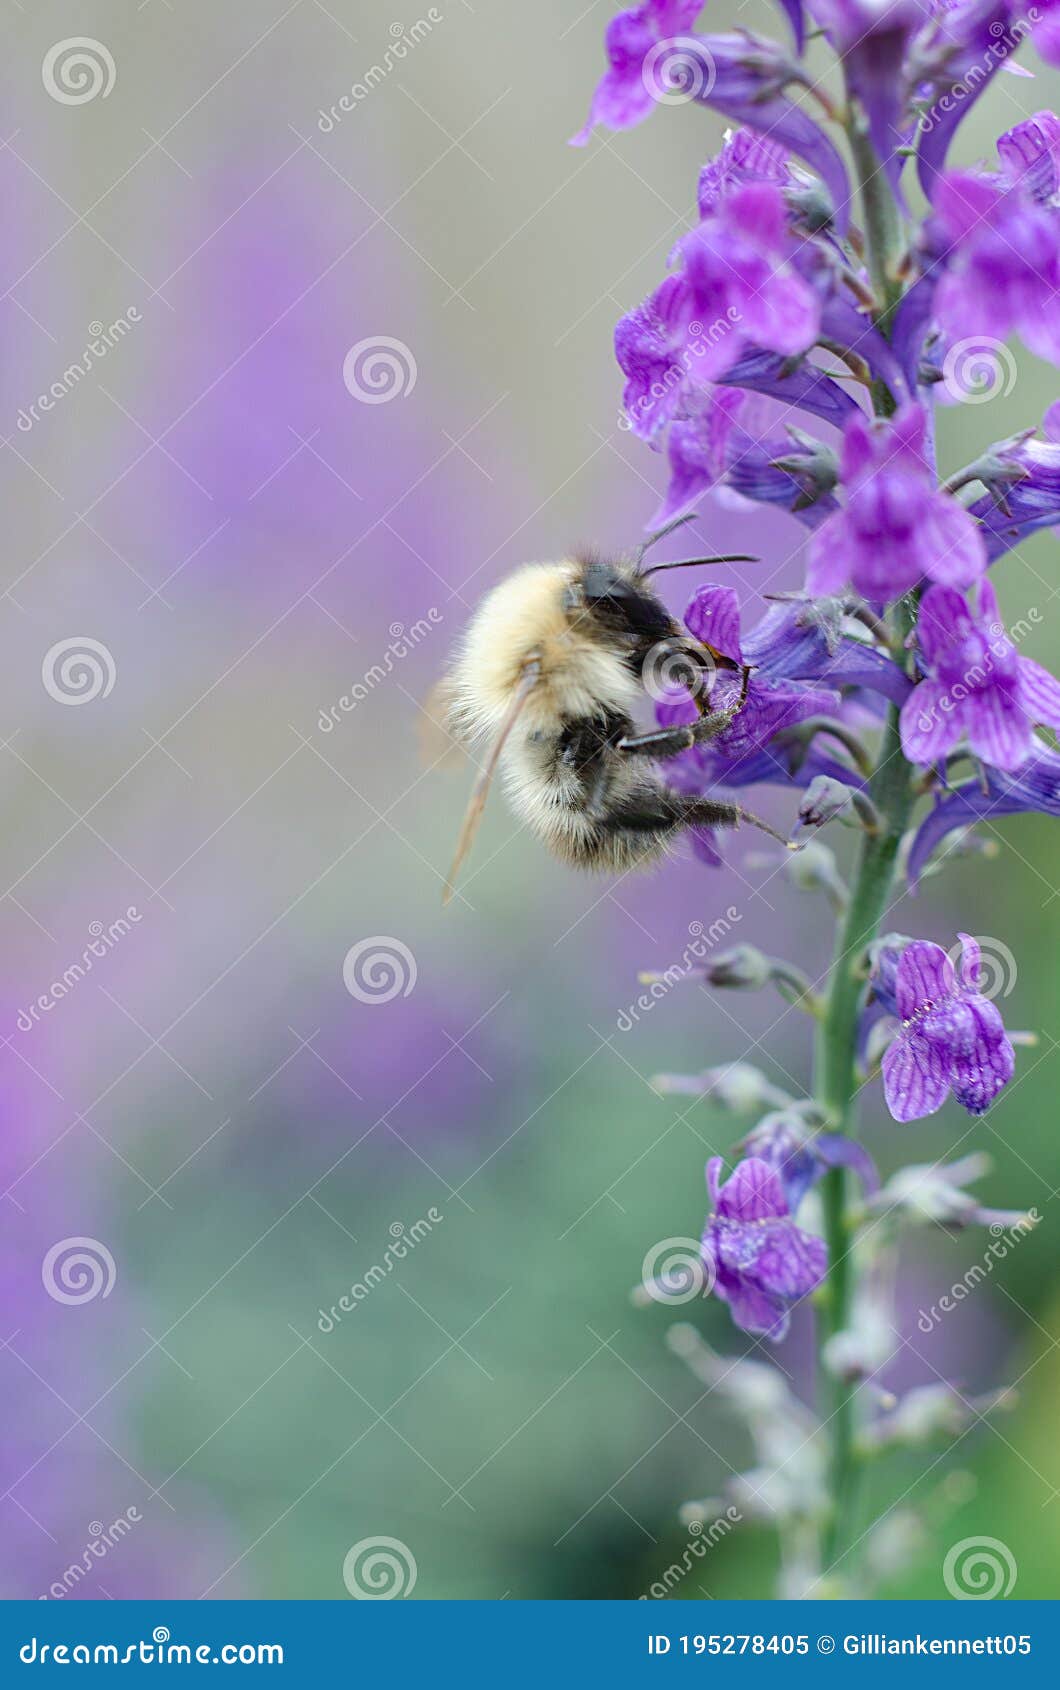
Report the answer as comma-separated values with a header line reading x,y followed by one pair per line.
x,y
1034,787
827,561
839,1152
1039,693
944,619
987,1062
713,616
984,37
925,976
929,724
915,1081
950,547
791,1262
752,1193
971,954
998,730
753,1310
804,388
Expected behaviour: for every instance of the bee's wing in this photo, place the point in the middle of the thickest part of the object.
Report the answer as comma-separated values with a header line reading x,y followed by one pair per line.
x,y
477,802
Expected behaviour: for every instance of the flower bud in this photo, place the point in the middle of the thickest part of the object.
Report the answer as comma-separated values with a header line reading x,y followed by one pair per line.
x,y
736,1086
744,968
824,800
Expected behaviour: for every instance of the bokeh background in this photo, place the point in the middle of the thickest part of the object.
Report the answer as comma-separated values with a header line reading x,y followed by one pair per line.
x,y
242,1135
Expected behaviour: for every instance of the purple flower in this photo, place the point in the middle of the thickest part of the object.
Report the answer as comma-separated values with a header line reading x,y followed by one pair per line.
x,y
951,1037
800,1157
1046,31
761,1261
723,435
741,75
956,54
871,37
713,616
1030,155
745,157
626,96
1002,270
977,686
897,526
1035,786
1023,480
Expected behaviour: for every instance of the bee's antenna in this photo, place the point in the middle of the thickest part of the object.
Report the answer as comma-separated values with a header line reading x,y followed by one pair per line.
x,y
694,562
660,534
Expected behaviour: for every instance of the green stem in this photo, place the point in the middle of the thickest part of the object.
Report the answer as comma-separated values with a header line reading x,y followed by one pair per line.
x,y
836,1087
883,231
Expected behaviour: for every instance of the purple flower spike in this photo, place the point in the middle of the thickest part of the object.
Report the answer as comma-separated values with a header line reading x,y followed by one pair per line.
x,y
762,1262
951,1037
977,686
897,527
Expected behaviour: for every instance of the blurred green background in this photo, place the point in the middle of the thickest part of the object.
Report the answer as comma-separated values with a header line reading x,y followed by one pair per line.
x,y
245,1136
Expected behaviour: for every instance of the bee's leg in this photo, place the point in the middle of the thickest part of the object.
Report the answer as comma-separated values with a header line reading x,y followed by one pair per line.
x,y
659,743
718,812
